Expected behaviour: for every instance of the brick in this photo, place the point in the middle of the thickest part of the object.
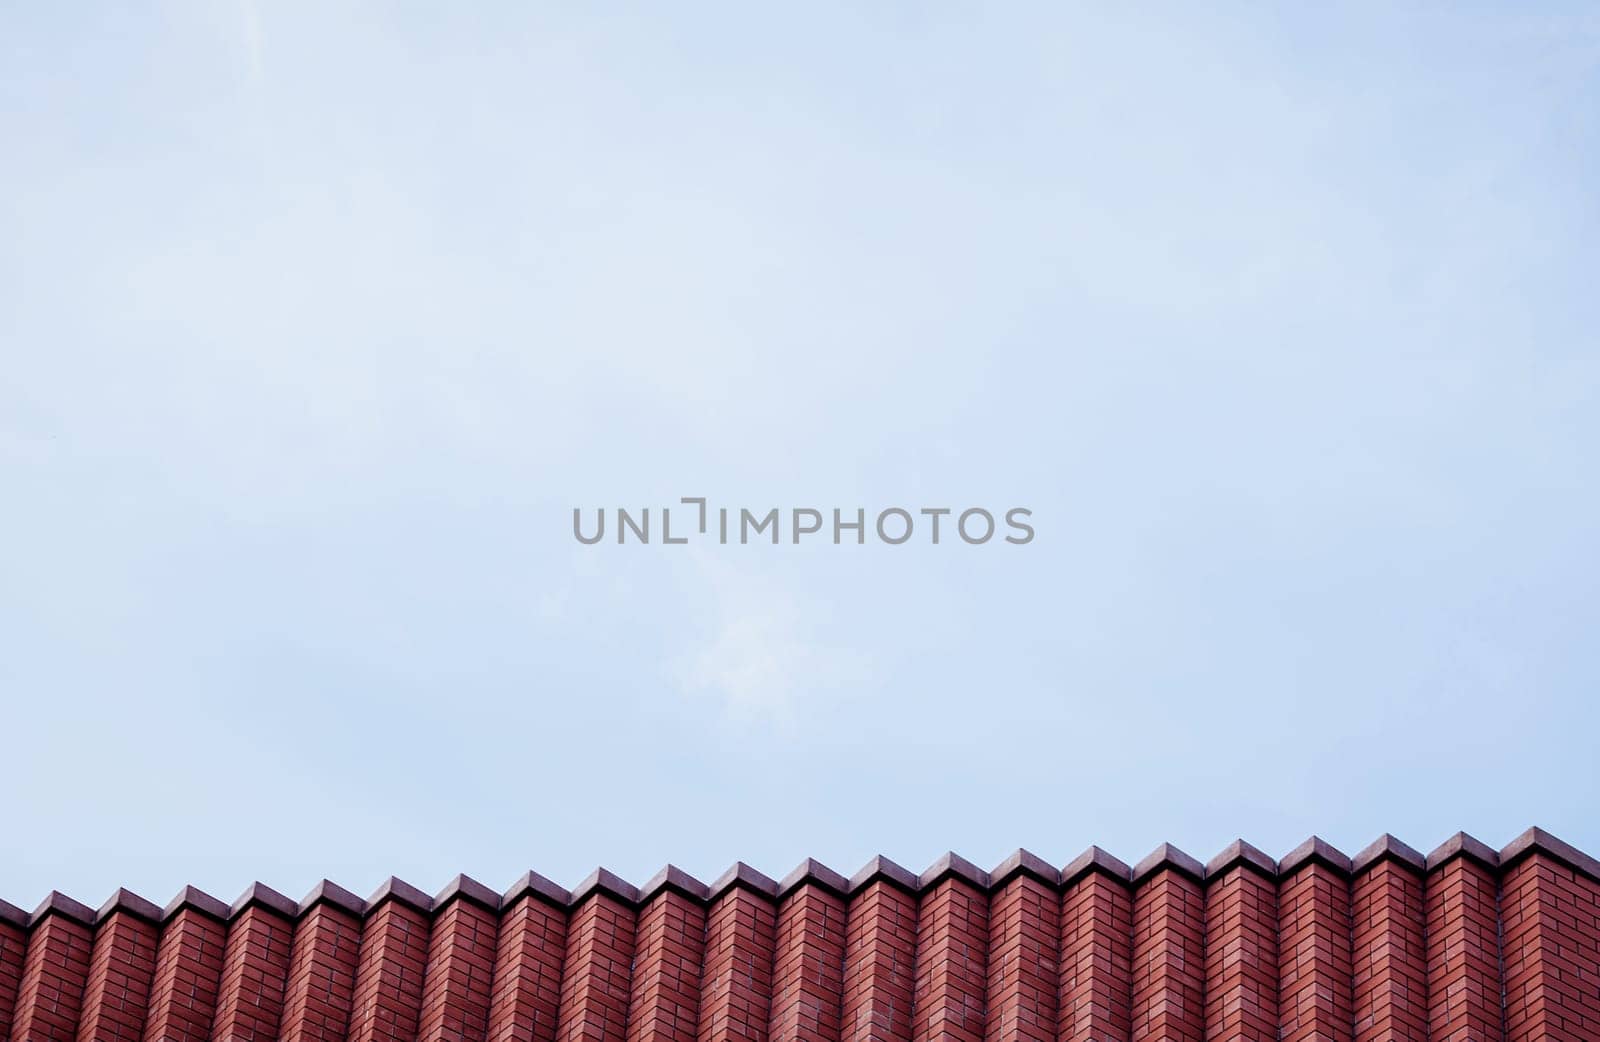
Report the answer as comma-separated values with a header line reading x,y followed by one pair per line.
x,y
1463,947
183,996
386,1003
950,1000
1241,961
664,1004
736,982
1168,959
599,961
880,964
1023,962
525,996
1389,961
322,975
460,973
122,967
55,974
1551,922
808,966
255,973
1314,956
1096,992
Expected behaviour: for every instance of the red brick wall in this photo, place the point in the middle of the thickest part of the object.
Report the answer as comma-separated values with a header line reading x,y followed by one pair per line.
x,y
255,968
880,964
1096,990
525,996
13,950
808,968
1551,921
1024,960
1389,960
665,1002
322,976
55,974
387,1001
948,1002
121,967
183,996
599,962
1241,944
1169,959
736,983
1466,948
1463,945
460,973
1315,1002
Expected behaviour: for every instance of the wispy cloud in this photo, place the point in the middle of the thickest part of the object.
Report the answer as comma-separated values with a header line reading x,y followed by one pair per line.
x,y
763,654
251,16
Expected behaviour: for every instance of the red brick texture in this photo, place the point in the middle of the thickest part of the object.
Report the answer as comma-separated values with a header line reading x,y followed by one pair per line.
x,y
948,1003
1315,980
879,964
736,982
1550,915
460,973
1466,945
1024,959
808,968
121,968
13,950
598,967
1463,944
55,974
1096,991
322,975
1169,930
183,996
386,1004
525,997
1241,942
664,1005
255,967
1389,955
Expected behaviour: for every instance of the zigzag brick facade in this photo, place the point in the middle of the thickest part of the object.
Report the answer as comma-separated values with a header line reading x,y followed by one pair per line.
x,y
1467,944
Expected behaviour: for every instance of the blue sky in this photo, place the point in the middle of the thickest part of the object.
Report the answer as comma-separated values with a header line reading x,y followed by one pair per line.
x,y
318,320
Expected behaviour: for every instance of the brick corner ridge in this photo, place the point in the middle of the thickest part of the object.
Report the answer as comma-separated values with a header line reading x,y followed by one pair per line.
x,y
604,881
127,902
331,893
1240,854
812,872
1024,863
1315,850
532,884
1096,860
57,903
1386,847
1168,856
674,879
260,895
882,869
742,875
465,888
1463,845
192,898
951,864
1537,841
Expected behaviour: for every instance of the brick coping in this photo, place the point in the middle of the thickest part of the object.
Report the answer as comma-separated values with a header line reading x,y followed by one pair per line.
x,y
950,867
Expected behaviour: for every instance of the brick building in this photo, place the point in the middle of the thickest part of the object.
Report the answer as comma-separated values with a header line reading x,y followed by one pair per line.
x,y
1467,943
